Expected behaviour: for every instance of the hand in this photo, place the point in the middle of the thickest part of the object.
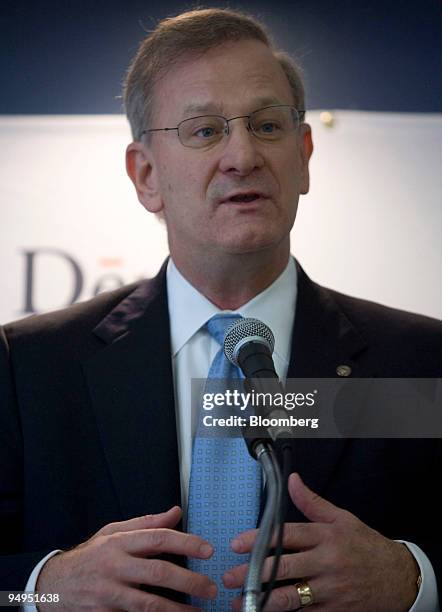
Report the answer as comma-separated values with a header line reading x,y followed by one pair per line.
x,y
104,572
348,565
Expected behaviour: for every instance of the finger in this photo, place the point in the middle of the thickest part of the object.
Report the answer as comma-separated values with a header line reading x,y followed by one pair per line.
x,y
290,566
134,600
313,506
299,536
156,572
156,541
148,521
284,598
287,598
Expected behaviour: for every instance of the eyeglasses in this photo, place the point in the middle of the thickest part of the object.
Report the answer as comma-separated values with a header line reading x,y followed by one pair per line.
x,y
269,124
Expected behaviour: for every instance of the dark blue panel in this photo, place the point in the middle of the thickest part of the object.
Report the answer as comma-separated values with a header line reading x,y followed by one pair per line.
x,y
70,56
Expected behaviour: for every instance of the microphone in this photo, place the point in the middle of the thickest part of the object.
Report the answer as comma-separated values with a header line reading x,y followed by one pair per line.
x,y
249,345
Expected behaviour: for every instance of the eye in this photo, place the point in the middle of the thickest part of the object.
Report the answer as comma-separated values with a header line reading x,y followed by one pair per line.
x,y
201,131
205,128
268,127
206,132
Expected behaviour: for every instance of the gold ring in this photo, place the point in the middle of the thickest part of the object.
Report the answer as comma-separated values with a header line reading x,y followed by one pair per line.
x,y
305,594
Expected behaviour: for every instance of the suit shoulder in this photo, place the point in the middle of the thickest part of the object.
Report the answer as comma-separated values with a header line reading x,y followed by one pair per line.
x,y
404,343
72,320
392,321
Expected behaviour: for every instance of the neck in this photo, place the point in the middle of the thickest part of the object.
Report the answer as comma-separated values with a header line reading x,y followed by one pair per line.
x,y
229,282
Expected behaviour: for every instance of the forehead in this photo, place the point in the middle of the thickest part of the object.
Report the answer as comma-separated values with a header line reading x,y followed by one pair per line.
x,y
234,77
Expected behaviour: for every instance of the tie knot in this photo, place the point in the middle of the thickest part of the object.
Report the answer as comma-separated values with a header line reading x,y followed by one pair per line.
x,y
218,324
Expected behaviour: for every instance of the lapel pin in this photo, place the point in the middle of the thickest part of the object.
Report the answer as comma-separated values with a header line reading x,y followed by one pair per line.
x,y
343,370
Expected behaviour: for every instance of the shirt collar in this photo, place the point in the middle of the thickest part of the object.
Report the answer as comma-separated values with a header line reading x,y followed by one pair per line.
x,y
189,310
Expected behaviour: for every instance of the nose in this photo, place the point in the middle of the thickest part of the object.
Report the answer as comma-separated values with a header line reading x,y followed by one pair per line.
x,y
241,153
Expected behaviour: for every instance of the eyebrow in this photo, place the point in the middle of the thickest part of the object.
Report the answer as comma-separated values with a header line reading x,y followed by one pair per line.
x,y
212,107
191,109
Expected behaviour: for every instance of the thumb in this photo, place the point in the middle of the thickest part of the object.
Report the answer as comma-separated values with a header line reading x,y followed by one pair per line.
x,y
313,506
149,521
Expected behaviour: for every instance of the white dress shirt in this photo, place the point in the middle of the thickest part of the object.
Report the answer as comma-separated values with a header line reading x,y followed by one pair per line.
x,y
193,350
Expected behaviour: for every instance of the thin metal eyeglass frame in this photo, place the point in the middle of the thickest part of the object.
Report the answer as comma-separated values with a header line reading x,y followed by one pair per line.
x,y
300,113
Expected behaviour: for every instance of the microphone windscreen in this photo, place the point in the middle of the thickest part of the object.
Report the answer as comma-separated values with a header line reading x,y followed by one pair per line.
x,y
243,331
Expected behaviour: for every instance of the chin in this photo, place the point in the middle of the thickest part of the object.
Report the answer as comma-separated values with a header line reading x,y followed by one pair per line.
x,y
251,244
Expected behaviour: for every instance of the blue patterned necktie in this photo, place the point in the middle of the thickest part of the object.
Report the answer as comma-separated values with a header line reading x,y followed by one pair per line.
x,y
225,487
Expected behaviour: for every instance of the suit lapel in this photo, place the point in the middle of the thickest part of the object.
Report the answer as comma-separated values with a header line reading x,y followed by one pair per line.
x,y
323,336
131,387
323,339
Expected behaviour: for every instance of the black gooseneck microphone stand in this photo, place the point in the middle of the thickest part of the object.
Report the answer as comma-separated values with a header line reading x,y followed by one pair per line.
x,y
249,344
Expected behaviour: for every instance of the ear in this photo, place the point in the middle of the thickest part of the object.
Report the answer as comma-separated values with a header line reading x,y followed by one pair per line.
x,y
306,150
141,169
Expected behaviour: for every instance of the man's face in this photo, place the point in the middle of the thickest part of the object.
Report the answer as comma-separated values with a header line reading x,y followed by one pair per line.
x,y
190,186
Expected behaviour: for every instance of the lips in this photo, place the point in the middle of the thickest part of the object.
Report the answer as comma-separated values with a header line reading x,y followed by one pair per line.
x,y
243,197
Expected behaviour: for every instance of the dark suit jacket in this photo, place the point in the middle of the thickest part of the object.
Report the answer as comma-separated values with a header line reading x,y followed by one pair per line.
x,y
87,420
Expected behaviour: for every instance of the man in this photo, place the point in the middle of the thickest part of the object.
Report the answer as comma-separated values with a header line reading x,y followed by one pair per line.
x,y
96,446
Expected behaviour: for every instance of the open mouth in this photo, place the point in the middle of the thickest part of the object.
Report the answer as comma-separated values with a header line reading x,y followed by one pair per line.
x,y
244,197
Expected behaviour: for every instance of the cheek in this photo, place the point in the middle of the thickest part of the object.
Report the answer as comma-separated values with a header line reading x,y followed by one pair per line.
x,y
290,178
182,180
288,166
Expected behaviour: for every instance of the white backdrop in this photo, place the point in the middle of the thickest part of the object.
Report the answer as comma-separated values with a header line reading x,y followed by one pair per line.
x,y
371,225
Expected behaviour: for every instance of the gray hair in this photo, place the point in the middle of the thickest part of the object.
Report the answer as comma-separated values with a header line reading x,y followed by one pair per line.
x,y
195,32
